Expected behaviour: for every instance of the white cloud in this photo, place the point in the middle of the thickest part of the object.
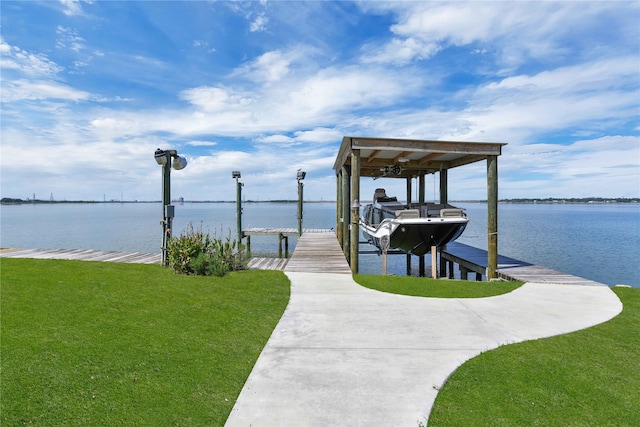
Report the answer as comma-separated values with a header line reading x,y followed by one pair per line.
x,y
71,7
269,67
202,143
26,63
69,38
40,90
583,168
320,135
259,23
213,99
517,31
400,51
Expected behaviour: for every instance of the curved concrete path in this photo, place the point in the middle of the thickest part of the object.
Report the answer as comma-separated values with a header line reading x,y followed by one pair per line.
x,y
344,355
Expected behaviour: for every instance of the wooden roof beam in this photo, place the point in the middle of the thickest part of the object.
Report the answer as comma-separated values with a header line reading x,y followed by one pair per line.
x,y
371,157
486,148
403,154
428,157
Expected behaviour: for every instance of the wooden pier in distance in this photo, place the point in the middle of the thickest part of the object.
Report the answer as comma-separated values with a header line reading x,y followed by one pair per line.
x,y
282,233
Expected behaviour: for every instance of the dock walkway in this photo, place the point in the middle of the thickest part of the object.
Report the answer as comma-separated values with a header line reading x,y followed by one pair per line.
x,y
472,259
345,355
83,255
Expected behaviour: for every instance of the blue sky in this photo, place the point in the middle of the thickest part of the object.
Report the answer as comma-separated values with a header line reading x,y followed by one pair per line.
x,y
91,88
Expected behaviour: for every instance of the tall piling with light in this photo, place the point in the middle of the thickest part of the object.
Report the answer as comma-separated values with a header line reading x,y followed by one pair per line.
x,y
300,176
164,159
237,175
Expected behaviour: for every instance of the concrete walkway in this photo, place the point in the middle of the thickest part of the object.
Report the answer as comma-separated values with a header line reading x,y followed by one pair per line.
x,y
344,355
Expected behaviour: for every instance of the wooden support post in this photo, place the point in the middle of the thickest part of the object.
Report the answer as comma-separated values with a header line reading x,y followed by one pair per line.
x,y
443,266
408,265
444,186
286,246
384,262
434,262
280,245
300,204
464,273
355,209
492,216
421,194
346,199
249,246
478,277
339,207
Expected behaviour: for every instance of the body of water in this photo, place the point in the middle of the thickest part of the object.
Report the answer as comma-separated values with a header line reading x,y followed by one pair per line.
x,y
600,242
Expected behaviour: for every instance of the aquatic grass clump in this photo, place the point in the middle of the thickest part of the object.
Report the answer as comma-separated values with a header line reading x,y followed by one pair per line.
x,y
195,252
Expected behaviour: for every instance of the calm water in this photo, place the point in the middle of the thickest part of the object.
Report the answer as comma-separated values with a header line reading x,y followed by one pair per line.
x,y
598,242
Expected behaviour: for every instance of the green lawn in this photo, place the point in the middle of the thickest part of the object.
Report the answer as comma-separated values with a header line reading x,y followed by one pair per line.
x,y
586,378
87,343
423,287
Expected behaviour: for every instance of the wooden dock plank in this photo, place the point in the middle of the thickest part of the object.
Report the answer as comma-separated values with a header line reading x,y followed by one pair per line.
x,y
285,231
83,255
475,259
261,263
318,253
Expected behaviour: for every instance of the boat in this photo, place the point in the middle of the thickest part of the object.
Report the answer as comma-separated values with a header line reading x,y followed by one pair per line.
x,y
414,228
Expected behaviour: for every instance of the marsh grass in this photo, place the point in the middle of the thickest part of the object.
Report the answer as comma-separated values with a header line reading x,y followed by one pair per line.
x,y
86,343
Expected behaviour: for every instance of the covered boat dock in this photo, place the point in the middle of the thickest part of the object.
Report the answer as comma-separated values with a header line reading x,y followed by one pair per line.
x,y
408,159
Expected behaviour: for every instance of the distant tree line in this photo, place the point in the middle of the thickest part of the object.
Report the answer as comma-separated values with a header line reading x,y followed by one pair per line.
x,y
575,200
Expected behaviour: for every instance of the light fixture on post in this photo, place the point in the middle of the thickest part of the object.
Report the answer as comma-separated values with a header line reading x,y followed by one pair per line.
x,y
167,159
300,176
237,175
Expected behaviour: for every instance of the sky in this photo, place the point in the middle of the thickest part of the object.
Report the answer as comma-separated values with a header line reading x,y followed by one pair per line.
x,y
90,89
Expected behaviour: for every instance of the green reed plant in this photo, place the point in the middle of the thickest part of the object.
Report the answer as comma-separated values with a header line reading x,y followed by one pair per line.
x,y
195,252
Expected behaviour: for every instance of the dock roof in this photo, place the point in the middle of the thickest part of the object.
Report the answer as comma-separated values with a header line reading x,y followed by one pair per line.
x,y
414,156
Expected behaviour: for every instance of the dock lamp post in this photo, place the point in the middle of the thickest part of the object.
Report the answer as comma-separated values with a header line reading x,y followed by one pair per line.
x,y
300,176
167,159
237,175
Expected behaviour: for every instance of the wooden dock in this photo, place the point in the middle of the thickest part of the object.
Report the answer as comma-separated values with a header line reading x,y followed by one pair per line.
x,y
318,253
471,259
283,234
83,255
327,245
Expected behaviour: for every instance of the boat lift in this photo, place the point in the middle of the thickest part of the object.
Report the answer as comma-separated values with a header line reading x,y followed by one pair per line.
x,y
408,159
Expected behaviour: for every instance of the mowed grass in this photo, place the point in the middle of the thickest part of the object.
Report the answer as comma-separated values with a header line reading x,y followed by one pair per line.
x,y
114,344
87,343
585,378
425,287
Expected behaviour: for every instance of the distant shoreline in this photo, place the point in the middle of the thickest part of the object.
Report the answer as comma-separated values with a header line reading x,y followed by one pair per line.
x,y
583,200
